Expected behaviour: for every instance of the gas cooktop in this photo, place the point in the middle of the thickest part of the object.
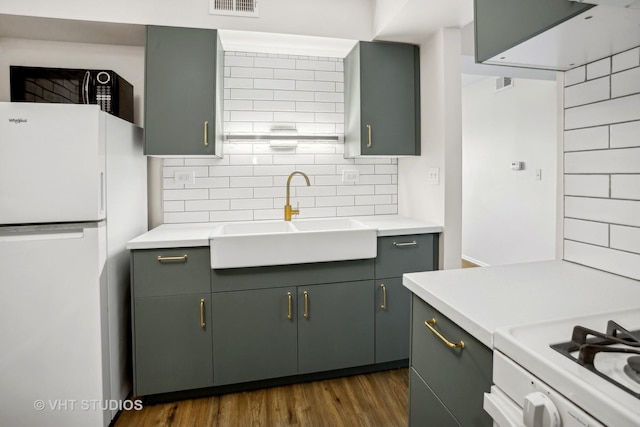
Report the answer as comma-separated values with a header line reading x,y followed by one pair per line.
x,y
613,355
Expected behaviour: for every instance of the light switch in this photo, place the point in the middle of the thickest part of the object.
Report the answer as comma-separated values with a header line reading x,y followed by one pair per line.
x,y
433,176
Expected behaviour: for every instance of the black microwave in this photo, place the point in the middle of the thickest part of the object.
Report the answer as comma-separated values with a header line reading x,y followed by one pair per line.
x,y
71,86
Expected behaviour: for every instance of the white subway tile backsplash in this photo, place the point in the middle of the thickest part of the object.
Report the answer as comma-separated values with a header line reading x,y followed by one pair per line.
x,y
623,160
599,69
186,194
274,84
625,82
274,106
619,262
184,217
263,91
616,110
625,238
289,95
206,205
302,64
274,63
595,233
612,211
586,185
588,92
627,59
625,186
356,210
294,74
316,86
625,135
574,76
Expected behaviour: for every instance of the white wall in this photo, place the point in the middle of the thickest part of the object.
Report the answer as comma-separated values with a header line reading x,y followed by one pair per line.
x,y
602,164
441,145
508,215
350,19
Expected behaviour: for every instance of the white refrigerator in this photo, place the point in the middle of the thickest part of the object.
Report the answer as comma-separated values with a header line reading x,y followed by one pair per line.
x,y
72,192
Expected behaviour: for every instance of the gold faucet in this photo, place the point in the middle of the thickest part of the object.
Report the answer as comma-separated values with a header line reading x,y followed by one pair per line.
x,y
288,211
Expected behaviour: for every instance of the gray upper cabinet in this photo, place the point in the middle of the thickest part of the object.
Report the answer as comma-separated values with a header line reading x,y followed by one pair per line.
x,y
551,34
183,92
382,100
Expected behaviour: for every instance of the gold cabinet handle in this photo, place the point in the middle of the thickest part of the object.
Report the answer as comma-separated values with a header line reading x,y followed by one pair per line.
x,y
369,130
400,245
430,322
202,324
384,297
182,258
289,306
306,305
206,133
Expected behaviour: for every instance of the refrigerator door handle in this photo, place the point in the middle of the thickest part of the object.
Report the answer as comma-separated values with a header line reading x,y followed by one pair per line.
x,y
85,88
23,237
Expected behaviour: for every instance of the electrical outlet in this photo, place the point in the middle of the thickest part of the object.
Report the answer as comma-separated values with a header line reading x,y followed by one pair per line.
x,y
184,177
350,176
433,176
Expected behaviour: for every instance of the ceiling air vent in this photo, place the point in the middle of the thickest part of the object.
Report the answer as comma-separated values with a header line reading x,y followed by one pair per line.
x,y
503,83
247,8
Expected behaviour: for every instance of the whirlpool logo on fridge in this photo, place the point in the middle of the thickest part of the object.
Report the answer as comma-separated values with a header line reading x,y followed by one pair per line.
x,y
17,121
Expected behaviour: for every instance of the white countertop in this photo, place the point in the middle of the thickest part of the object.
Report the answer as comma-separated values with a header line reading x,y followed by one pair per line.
x,y
197,234
482,299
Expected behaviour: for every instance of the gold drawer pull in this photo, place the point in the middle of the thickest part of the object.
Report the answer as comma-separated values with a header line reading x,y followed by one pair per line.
x,y
289,306
429,323
202,324
400,245
206,134
384,297
369,131
182,258
306,305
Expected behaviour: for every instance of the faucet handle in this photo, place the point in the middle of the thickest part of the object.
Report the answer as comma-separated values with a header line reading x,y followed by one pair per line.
x,y
297,211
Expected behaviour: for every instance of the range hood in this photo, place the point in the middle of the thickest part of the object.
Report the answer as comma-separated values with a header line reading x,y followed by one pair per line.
x,y
554,34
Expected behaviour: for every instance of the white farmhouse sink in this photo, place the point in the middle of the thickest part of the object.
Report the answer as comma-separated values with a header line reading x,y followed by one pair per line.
x,y
263,243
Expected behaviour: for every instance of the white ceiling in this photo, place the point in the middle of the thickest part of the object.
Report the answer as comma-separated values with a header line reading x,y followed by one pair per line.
x,y
408,21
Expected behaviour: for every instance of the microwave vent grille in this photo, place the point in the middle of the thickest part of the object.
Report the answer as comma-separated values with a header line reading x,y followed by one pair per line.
x,y
248,8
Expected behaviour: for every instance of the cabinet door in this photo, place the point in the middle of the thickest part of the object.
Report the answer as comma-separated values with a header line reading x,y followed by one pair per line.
x,y
255,335
393,309
425,409
335,326
173,347
459,377
180,91
389,98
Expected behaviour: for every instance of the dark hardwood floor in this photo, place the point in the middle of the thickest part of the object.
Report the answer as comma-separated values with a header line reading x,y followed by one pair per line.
x,y
371,400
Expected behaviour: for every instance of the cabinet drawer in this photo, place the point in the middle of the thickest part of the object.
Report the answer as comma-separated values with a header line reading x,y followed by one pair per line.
x,y
425,409
460,376
405,254
178,271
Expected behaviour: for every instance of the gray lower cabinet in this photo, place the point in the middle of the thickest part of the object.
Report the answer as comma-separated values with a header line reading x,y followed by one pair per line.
x,y
255,335
398,255
335,328
457,377
393,304
173,346
425,409
171,320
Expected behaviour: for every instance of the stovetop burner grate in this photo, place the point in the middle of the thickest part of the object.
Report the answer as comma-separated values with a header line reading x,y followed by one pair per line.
x,y
610,342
